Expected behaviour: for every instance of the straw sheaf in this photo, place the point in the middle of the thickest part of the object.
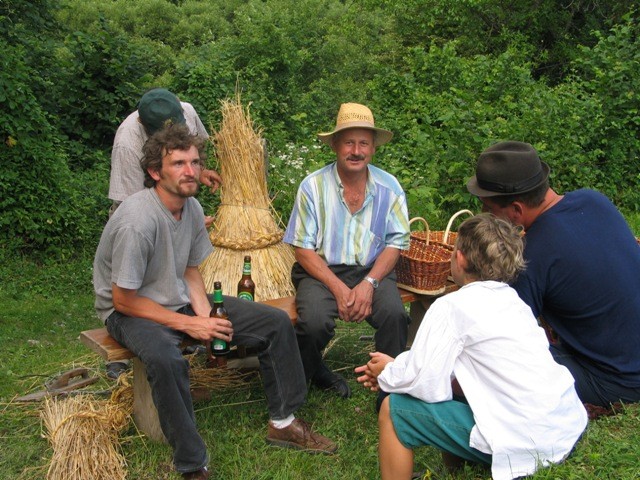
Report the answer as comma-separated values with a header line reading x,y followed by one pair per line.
x,y
83,433
245,222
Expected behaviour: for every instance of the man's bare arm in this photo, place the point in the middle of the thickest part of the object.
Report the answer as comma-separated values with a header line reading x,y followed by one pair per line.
x,y
128,302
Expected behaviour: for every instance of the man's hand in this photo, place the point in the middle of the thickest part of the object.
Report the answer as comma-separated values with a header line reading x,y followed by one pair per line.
x,y
360,302
343,300
211,179
207,328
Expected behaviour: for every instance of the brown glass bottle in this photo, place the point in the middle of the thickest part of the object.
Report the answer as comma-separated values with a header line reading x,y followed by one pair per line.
x,y
217,347
246,286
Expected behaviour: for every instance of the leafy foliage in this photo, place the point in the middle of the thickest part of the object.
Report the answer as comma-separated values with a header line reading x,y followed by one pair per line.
x,y
44,208
99,67
449,78
553,28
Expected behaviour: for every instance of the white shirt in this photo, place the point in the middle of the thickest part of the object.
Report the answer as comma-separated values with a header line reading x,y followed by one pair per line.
x,y
525,406
127,176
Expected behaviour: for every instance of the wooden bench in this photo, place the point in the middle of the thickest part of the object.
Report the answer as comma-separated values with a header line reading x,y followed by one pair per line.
x,y
144,411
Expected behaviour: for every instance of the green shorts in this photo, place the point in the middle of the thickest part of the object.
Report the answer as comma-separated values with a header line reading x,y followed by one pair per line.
x,y
444,425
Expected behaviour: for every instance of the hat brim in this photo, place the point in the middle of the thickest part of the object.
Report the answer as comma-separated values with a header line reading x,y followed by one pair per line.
x,y
475,189
382,136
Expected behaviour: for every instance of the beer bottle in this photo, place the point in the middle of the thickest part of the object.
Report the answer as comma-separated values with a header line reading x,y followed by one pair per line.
x,y
246,286
218,347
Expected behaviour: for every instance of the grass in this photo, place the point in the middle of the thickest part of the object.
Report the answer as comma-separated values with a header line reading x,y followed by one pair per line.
x,y
45,307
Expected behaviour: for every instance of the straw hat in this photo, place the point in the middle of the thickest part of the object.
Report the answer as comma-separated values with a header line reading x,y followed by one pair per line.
x,y
507,168
354,115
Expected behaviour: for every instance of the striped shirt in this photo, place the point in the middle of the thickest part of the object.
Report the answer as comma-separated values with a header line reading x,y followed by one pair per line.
x,y
321,220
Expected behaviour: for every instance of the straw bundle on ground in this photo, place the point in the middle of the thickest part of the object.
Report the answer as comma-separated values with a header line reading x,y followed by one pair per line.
x,y
245,223
83,432
206,378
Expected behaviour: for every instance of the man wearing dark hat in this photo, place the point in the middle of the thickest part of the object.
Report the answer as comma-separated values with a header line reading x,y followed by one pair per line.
x,y
348,226
156,108
583,270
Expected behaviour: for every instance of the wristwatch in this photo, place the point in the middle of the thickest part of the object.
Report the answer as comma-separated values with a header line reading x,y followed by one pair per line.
x,y
372,281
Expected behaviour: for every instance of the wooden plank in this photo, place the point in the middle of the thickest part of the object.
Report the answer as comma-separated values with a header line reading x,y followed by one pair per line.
x,y
288,304
104,345
406,296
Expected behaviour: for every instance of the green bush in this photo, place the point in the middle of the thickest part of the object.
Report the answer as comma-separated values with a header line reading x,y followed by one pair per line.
x,y
448,78
553,29
102,76
42,206
608,76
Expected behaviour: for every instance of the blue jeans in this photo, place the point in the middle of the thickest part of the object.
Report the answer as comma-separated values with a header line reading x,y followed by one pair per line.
x,y
318,309
265,328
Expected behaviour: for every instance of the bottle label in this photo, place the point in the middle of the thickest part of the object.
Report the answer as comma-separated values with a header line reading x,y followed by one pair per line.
x,y
218,345
246,296
246,269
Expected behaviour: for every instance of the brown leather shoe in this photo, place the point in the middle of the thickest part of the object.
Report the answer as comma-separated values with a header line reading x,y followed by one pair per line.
x,y
201,474
300,436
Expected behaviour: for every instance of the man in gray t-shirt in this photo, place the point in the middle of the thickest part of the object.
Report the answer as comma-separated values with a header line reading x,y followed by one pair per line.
x,y
151,296
156,108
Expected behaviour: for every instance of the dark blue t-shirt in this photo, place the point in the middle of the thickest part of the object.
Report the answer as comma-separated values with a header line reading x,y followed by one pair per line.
x,y
583,278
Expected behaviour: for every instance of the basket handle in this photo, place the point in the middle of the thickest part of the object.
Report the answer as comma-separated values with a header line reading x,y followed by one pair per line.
x,y
426,226
445,239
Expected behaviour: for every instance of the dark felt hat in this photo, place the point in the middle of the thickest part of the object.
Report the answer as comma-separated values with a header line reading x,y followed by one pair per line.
x,y
156,107
507,168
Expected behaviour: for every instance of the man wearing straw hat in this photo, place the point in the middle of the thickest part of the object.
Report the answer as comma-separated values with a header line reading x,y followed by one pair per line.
x,y
157,107
348,225
583,270
151,296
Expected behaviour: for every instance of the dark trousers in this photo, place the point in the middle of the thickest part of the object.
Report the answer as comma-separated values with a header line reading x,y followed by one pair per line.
x,y
317,312
256,325
594,385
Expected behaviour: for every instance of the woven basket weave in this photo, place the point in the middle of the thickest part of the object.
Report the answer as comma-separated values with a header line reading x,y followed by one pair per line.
x,y
445,238
425,266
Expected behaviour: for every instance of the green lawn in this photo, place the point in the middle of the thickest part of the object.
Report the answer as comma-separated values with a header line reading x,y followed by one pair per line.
x,y
39,325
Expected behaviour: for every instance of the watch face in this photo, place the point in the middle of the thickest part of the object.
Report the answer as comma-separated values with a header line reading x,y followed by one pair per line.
x,y
373,282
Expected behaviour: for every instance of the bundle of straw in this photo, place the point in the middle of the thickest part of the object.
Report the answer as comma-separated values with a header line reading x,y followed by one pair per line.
x,y
245,223
84,435
222,379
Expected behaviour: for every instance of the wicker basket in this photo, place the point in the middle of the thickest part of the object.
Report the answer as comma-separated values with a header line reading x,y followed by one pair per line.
x,y
423,268
445,238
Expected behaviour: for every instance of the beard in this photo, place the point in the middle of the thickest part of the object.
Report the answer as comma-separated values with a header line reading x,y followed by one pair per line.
x,y
187,189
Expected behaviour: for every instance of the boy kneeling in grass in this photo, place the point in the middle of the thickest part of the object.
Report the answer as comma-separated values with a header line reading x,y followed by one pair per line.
x,y
479,382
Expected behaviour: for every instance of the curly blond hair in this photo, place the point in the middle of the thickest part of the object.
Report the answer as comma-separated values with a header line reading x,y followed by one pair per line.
x,y
492,247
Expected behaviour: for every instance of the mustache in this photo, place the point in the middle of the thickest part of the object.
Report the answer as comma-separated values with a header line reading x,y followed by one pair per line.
x,y
355,157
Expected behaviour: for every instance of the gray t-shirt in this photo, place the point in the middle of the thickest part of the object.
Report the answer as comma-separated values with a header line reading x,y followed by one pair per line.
x,y
144,248
127,176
